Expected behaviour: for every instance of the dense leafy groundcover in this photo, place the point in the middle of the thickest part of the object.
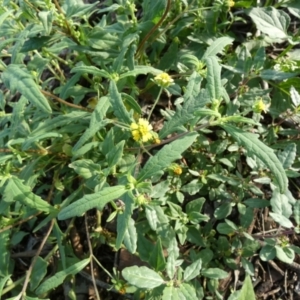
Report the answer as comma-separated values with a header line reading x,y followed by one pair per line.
x,y
149,149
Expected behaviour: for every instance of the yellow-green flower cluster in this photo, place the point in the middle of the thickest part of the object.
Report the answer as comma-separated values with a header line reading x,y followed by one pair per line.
x,y
260,106
230,3
164,80
141,131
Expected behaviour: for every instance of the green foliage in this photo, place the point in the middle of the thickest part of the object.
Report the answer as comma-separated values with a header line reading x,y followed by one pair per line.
x,y
85,168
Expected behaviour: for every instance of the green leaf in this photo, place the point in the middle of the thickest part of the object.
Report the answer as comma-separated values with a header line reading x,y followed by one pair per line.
x,y
295,96
285,254
288,155
223,211
46,18
192,102
86,168
164,157
267,252
213,77
141,70
124,219
280,204
91,70
142,277
204,112
247,291
281,220
171,264
271,21
187,291
130,237
157,259
22,193
16,78
217,46
297,212
3,282
115,154
171,292
193,270
38,273
59,277
276,75
5,253
255,147
117,104
151,216
214,273
96,123
99,200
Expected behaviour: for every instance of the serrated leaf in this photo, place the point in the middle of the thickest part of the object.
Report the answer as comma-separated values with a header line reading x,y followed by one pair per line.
x,y
217,46
59,277
142,277
213,77
16,78
192,270
271,21
281,220
22,193
288,155
214,273
247,291
164,157
255,147
99,200
117,104
130,237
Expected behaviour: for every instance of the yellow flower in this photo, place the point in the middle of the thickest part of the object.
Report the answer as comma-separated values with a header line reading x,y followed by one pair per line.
x,y
141,131
259,106
176,169
164,80
230,3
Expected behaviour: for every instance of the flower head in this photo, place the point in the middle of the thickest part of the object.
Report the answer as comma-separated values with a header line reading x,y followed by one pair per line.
x,y
164,80
176,169
230,3
260,106
141,131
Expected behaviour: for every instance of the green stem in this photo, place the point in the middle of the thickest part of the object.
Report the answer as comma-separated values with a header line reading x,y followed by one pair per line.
x,y
155,103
